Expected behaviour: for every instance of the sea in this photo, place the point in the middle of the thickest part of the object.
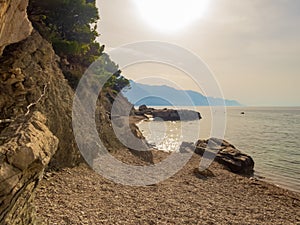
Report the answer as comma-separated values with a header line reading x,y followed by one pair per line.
x,y
270,135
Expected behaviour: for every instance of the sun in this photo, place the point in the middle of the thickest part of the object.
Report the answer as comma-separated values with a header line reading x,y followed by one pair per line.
x,y
171,15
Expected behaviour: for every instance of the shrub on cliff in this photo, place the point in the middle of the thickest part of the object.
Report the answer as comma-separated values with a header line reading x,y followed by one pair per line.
x,y
71,27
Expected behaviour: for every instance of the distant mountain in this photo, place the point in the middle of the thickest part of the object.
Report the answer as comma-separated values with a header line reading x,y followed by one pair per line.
x,y
162,95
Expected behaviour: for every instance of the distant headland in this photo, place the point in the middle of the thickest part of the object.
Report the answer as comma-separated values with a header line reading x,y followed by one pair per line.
x,y
162,95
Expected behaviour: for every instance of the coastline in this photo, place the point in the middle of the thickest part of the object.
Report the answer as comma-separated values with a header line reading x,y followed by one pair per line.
x,y
81,196
257,174
268,135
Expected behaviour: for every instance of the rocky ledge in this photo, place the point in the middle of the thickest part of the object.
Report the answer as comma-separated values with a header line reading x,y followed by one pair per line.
x,y
26,147
168,114
228,155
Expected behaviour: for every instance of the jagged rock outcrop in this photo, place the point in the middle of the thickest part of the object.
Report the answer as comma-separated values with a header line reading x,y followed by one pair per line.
x,y
122,108
26,148
168,114
228,155
32,81
14,24
30,75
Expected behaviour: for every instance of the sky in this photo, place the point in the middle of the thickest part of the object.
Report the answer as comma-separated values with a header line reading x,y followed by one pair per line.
x,y
251,46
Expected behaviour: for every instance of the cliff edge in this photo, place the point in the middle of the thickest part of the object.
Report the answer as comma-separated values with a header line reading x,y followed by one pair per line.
x,y
14,23
36,115
26,151
30,79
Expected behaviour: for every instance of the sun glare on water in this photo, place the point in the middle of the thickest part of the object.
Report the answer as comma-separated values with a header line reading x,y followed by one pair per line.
x,y
171,15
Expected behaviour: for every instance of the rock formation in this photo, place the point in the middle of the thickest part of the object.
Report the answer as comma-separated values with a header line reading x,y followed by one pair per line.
x,y
14,24
30,81
35,114
30,76
168,114
26,149
104,124
228,155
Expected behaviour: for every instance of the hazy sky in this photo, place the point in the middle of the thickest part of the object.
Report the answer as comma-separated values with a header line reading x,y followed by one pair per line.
x,y
252,46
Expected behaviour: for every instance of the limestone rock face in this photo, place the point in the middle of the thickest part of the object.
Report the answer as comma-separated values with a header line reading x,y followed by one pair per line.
x,y
30,75
120,122
26,149
14,24
228,155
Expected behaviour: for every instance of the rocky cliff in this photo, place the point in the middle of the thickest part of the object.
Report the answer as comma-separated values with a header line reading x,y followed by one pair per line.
x,y
14,24
30,76
36,114
30,82
27,149
35,104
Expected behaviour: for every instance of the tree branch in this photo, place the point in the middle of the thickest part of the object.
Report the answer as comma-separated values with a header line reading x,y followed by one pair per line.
x,y
28,107
6,121
37,101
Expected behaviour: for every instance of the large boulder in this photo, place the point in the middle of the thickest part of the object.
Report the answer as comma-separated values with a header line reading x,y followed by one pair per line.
x,y
26,148
228,155
14,24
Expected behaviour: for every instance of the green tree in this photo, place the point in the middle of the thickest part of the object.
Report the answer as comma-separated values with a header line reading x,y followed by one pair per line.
x,y
107,68
71,27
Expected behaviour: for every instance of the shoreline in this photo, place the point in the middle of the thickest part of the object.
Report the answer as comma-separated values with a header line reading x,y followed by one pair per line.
x,y
81,196
271,181
287,178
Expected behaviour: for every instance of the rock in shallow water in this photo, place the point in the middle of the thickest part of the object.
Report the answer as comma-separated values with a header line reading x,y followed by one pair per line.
x,y
228,155
168,114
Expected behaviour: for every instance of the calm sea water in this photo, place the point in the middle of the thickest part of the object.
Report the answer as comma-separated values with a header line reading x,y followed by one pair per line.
x,y
270,135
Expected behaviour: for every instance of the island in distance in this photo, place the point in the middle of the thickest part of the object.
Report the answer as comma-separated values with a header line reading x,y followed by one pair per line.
x,y
162,95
